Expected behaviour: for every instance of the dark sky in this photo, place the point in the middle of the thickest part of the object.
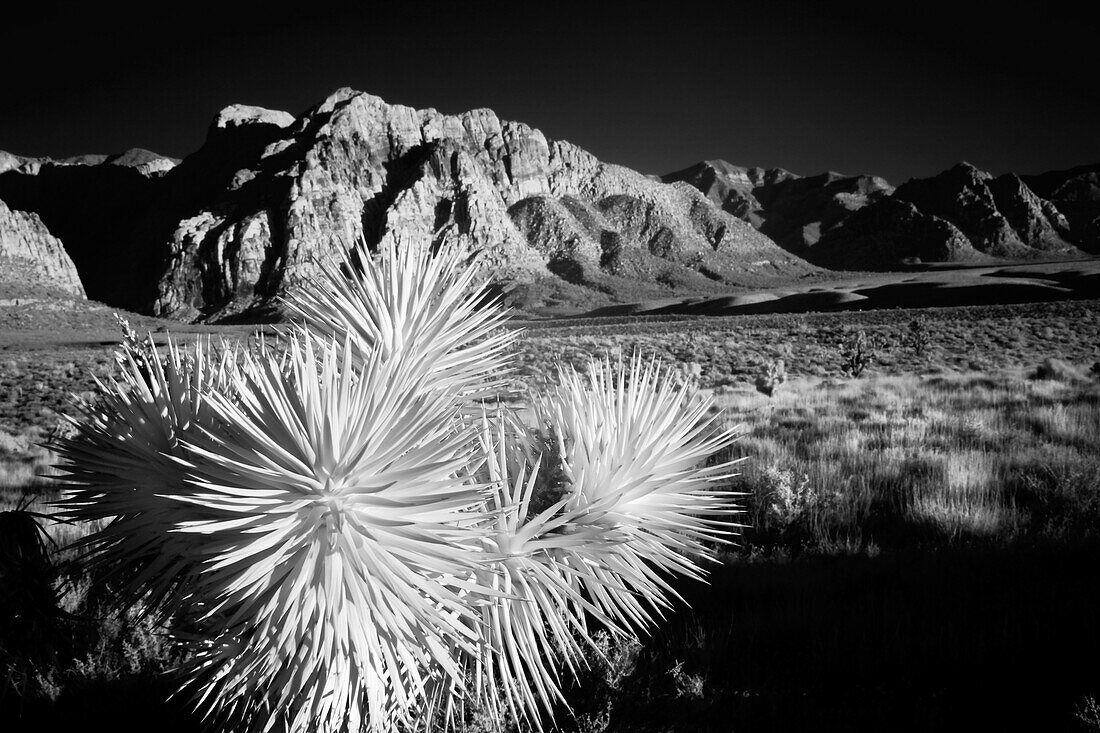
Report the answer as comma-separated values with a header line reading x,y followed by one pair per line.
x,y
882,88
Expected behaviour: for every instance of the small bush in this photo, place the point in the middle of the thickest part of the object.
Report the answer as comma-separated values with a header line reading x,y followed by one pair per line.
x,y
859,351
917,336
789,499
1052,369
774,375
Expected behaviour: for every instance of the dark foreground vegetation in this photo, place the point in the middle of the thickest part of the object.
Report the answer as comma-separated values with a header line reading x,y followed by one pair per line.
x,y
923,551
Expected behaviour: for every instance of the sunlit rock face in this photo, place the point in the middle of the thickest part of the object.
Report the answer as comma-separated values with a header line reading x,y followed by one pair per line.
x,y
33,262
355,166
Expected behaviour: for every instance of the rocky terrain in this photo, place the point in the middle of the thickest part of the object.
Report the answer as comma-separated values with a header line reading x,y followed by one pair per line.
x,y
269,196
863,223
1076,193
32,261
792,210
108,211
251,214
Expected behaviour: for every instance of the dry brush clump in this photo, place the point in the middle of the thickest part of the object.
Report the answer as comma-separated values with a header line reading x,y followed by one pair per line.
x,y
351,529
944,461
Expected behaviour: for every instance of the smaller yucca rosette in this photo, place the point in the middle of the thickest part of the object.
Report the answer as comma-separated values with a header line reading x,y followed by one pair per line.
x,y
343,539
120,466
631,444
537,619
433,307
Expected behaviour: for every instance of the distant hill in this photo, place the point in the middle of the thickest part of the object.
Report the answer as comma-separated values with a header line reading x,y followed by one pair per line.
x,y
1076,193
792,210
864,223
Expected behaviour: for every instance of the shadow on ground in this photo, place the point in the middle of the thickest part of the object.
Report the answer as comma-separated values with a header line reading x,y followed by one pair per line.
x,y
907,641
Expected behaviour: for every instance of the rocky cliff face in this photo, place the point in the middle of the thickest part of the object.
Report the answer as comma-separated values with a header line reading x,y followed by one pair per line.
x,y
862,222
110,212
962,214
792,210
1000,216
355,166
892,233
1076,194
33,263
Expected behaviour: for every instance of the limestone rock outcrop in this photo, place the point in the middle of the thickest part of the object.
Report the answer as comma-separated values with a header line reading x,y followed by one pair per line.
x,y
33,263
792,210
1000,216
354,166
108,210
890,234
963,214
1076,194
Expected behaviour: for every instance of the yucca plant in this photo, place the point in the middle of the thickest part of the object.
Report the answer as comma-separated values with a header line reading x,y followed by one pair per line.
x,y
355,530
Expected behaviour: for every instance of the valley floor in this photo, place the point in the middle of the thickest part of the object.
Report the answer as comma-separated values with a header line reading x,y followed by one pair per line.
x,y
922,549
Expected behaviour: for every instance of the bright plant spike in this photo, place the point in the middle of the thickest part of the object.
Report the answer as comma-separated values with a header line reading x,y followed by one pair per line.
x,y
537,622
120,469
343,525
436,308
632,443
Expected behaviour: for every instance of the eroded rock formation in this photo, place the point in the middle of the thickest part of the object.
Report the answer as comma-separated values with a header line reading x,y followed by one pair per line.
x,y
355,166
1076,194
110,211
963,214
33,262
792,210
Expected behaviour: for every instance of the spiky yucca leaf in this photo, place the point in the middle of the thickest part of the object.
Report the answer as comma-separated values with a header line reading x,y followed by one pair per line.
x,y
537,621
632,443
435,308
120,470
343,534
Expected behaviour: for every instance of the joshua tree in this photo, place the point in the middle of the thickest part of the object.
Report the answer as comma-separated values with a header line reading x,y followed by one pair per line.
x,y
343,524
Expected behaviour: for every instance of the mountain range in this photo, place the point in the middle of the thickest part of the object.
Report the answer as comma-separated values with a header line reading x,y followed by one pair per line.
x,y
220,234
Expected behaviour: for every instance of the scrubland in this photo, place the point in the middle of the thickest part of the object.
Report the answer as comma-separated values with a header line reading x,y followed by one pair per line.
x,y
921,550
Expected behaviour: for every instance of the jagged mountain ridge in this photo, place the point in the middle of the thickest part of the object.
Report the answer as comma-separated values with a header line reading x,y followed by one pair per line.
x,y
793,210
270,195
355,166
1076,194
251,213
864,223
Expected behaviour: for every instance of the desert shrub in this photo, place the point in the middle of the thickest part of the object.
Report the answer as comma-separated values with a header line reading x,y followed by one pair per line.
x,y
1057,370
789,498
1088,712
859,351
774,375
917,336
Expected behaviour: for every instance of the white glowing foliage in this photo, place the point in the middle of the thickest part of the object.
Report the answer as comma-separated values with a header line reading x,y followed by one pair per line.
x,y
342,527
632,442
121,465
433,308
356,541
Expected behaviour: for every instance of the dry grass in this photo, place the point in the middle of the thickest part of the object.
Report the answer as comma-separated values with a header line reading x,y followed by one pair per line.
x,y
907,461
911,530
